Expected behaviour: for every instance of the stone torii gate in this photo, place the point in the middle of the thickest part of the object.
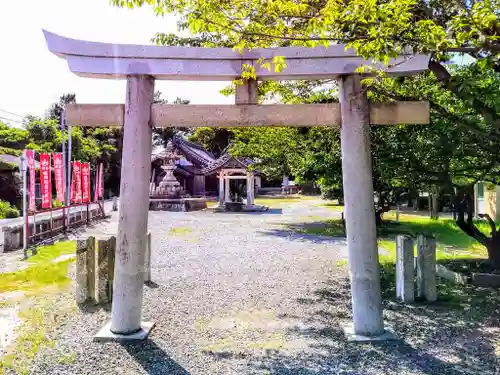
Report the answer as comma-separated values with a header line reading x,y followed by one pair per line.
x,y
142,65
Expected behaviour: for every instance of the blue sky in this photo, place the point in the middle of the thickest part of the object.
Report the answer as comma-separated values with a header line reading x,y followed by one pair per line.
x,y
31,78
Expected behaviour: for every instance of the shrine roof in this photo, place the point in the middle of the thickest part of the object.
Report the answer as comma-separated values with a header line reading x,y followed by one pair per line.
x,y
194,152
227,160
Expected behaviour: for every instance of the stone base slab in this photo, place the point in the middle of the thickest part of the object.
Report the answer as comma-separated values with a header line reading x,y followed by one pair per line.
x,y
244,208
352,337
105,334
177,204
255,208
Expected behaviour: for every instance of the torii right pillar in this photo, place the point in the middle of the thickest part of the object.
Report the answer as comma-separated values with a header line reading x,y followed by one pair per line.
x,y
364,270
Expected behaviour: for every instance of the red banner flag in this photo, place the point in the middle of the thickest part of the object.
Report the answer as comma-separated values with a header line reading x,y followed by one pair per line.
x,y
45,181
77,175
96,184
101,181
30,155
72,187
58,175
85,182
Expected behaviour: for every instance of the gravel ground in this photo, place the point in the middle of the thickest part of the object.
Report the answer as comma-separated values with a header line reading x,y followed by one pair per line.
x,y
241,294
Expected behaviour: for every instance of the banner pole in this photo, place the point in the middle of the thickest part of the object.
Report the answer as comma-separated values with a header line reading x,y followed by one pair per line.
x,y
64,172
25,208
68,177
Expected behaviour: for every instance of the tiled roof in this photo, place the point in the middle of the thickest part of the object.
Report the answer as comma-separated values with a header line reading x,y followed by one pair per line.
x,y
201,158
226,159
193,152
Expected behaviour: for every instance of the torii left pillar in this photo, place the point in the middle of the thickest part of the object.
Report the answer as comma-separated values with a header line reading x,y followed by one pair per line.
x,y
126,312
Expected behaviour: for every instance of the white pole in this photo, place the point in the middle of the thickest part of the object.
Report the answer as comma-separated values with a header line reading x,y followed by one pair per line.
x,y
68,176
359,209
23,169
134,198
64,171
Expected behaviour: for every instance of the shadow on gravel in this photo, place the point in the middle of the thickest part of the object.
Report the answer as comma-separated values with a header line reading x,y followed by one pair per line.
x,y
459,334
271,211
153,359
297,236
91,307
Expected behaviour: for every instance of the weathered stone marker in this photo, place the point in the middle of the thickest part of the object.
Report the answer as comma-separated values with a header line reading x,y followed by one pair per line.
x,y
405,270
91,274
426,268
141,65
83,247
105,264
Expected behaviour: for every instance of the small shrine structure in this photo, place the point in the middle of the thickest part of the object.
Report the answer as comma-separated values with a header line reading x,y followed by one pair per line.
x,y
229,168
183,174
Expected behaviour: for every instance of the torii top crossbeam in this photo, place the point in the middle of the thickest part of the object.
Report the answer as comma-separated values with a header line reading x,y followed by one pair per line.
x,y
117,61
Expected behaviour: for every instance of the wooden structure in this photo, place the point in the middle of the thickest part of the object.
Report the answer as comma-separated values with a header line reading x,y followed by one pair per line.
x,y
197,170
142,65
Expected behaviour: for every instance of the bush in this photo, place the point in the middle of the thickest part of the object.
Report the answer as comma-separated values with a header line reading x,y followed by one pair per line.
x,y
57,203
8,211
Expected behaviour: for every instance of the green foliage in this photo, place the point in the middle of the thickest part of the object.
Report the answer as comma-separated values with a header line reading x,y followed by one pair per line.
x,y
12,140
7,211
57,203
88,145
42,270
214,140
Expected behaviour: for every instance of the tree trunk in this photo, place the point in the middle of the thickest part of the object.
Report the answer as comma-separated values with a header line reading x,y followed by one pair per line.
x,y
493,247
433,206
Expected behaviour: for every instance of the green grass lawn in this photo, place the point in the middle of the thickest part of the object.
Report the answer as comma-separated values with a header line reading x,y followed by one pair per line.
x,y
281,200
451,241
41,271
334,205
47,302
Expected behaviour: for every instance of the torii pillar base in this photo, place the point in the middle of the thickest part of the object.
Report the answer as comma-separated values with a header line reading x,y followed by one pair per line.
x,y
105,334
387,335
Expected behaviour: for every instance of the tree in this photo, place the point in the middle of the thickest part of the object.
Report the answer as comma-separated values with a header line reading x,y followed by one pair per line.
x,y
161,136
54,112
214,140
375,29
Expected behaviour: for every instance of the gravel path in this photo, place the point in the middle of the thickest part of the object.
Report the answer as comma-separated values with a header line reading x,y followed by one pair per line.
x,y
241,294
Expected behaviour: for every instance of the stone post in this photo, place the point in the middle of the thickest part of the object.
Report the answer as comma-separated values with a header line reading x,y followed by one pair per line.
x,y
115,204
91,268
359,209
221,188
405,289
426,268
105,267
258,184
134,203
284,184
81,271
250,189
227,189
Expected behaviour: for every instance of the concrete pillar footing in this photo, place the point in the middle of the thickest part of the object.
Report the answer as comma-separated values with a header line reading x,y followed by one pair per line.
x,y
105,334
387,335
